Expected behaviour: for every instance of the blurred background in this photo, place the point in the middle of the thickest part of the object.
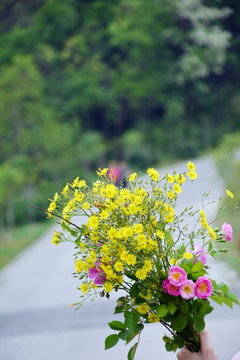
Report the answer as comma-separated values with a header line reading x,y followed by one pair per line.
x,y
87,82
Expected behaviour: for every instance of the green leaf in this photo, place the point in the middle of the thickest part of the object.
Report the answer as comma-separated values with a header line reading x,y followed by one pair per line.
x,y
215,285
130,337
217,299
132,352
111,341
162,311
186,268
117,325
166,339
198,267
118,310
140,327
210,246
134,291
169,346
139,300
124,334
180,322
233,297
171,307
204,309
198,323
131,320
227,301
223,287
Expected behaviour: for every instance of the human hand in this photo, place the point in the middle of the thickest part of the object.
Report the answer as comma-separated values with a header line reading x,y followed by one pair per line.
x,y
206,350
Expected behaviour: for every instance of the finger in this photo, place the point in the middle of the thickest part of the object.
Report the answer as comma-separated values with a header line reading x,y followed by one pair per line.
x,y
183,353
206,346
205,340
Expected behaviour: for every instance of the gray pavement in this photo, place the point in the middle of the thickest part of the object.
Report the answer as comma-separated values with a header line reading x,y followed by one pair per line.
x,y
37,287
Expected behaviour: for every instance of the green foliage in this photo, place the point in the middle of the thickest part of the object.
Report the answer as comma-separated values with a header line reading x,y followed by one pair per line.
x,y
114,79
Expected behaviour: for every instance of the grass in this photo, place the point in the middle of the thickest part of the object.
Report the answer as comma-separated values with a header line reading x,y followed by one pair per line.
x,y
12,242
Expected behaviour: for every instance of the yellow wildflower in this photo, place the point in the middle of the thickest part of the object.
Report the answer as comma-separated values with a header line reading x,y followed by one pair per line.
x,y
55,239
102,172
138,228
152,318
141,241
85,206
187,255
81,183
118,266
93,222
148,265
108,286
80,266
141,274
132,177
104,214
192,174
119,279
172,261
112,233
75,182
65,190
111,191
131,259
52,207
204,222
132,209
143,309
170,178
78,196
171,194
56,197
212,233
181,179
191,166
123,255
229,193
177,188
160,234
84,288
153,174
94,286
138,199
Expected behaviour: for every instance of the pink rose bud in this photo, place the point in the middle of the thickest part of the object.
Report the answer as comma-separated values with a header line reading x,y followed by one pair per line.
x,y
227,229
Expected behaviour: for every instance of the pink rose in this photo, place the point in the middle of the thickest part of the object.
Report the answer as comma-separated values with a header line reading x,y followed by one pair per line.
x,y
177,276
203,287
170,288
227,229
187,290
97,274
200,254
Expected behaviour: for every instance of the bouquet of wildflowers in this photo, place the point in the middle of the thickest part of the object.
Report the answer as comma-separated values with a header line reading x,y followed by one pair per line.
x,y
134,241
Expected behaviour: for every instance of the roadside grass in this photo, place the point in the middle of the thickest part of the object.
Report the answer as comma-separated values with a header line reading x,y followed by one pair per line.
x,y
12,242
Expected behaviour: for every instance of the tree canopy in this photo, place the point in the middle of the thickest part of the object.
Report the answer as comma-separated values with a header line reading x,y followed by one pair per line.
x,y
83,82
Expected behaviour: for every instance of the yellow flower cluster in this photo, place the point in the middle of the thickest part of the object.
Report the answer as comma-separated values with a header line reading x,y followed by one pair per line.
x,y
128,230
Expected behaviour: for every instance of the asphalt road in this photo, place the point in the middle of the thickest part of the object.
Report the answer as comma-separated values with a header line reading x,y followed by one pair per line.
x,y
37,287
